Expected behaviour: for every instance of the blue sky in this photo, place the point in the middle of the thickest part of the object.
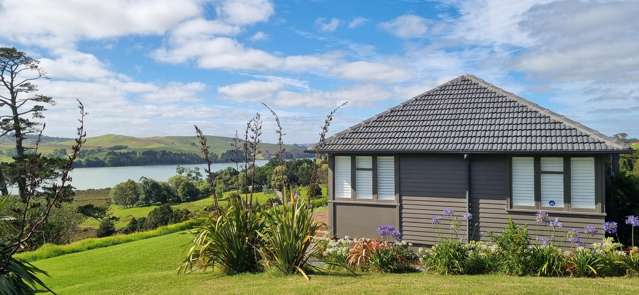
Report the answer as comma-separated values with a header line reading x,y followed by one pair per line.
x,y
148,68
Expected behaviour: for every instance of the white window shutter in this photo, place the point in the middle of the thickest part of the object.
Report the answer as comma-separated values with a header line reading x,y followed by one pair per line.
x,y
552,184
364,178
523,181
386,178
342,177
582,179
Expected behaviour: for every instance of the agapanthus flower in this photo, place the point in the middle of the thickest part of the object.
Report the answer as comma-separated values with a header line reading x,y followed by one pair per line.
x,y
543,240
632,220
468,216
574,238
610,227
542,217
436,219
448,212
388,230
554,223
590,229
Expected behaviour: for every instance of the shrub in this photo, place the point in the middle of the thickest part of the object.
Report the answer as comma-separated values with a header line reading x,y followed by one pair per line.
x,y
545,260
180,215
480,258
125,194
585,263
631,261
512,247
336,252
134,225
231,241
447,257
106,228
359,255
288,238
158,217
612,257
393,257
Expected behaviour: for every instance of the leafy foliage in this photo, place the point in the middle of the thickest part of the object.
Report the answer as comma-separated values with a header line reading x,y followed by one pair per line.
x,y
288,238
229,241
394,257
513,245
545,260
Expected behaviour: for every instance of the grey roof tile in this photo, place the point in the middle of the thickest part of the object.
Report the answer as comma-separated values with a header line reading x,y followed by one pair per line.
x,y
468,114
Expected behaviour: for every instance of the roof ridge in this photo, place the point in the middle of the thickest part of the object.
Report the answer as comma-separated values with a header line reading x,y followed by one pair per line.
x,y
553,115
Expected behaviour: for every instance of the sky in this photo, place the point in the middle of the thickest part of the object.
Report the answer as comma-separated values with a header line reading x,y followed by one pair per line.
x,y
154,68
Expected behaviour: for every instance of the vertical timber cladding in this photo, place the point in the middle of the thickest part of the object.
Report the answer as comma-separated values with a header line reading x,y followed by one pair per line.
x,y
490,182
428,185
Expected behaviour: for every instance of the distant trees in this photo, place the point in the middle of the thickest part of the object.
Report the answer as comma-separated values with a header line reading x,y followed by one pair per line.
x,y
125,194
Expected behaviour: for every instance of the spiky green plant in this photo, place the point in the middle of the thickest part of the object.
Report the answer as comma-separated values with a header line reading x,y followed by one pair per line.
x,y
230,241
288,238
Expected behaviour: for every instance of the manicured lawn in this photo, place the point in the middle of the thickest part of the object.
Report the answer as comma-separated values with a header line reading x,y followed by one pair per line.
x,y
148,267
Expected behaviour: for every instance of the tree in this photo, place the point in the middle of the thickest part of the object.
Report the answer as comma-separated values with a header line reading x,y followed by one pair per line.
x,y
93,211
42,183
152,192
106,228
187,191
125,193
158,217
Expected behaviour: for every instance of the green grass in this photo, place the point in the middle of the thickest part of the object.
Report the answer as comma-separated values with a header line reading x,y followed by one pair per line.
x,y
53,250
126,214
149,267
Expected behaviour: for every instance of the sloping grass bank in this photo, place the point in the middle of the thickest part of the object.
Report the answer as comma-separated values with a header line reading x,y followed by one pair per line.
x,y
53,250
149,267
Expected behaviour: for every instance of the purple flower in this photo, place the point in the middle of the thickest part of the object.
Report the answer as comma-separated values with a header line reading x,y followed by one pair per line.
x,y
468,216
610,227
542,217
590,229
574,238
555,223
632,220
448,212
388,230
436,219
543,240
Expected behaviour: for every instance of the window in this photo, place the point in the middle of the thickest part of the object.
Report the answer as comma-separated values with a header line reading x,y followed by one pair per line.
x,y
523,179
364,177
386,178
552,182
582,182
343,177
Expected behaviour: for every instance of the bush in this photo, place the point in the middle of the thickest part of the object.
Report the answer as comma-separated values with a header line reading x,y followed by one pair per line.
x,y
158,217
125,194
631,261
545,260
612,257
288,238
134,225
585,263
512,249
480,258
359,255
393,257
229,241
335,253
447,257
106,228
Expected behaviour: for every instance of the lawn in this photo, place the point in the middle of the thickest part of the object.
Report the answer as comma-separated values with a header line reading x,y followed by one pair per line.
x,y
125,214
148,267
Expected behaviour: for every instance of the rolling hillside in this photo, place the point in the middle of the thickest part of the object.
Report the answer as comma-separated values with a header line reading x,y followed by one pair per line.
x,y
184,149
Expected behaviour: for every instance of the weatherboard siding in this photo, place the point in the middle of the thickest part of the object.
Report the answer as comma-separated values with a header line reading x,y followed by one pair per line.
x,y
428,185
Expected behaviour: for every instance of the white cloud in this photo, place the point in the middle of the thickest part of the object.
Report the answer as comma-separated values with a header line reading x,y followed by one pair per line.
x,y
259,36
71,64
245,12
259,90
357,22
406,26
175,92
201,28
60,23
370,71
327,25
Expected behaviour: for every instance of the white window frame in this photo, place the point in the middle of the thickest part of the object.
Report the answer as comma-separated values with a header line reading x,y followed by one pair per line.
x,y
364,177
343,177
580,190
552,178
523,184
386,178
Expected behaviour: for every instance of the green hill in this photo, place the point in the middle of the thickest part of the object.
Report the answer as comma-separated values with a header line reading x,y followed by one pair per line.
x,y
129,150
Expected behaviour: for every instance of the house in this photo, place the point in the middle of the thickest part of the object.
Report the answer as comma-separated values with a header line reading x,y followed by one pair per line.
x,y
468,146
